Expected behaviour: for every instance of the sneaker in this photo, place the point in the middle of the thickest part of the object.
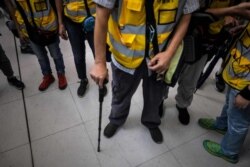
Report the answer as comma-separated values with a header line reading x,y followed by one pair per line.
x,y
161,110
83,87
15,82
183,116
47,81
26,50
215,149
110,130
219,83
62,82
156,135
209,124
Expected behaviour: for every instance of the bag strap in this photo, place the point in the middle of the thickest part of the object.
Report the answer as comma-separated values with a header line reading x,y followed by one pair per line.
x,y
87,8
151,30
24,17
31,13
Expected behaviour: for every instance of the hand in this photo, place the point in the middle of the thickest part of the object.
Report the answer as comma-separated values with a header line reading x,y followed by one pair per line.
x,y
237,29
241,102
22,36
62,32
230,21
159,63
243,9
99,73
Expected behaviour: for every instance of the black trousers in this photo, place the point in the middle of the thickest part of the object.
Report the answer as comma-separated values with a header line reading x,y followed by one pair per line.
x,y
5,65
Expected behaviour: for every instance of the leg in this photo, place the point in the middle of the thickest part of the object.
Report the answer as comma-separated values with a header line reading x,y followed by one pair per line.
x,y
43,60
238,124
123,87
187,87
77,41
56,54
5,65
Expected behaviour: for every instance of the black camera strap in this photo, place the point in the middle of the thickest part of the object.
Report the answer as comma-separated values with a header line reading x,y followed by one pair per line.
x,y
87,8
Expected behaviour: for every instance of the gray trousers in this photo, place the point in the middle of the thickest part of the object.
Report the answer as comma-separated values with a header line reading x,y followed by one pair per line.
x,y
5,65
188,81
124,86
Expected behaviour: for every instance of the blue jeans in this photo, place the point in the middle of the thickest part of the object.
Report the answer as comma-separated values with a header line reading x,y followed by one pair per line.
x,y
43,58
237,121
77,39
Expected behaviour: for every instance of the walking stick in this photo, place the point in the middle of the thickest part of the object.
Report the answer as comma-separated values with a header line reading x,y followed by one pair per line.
x,y
24,105
101,97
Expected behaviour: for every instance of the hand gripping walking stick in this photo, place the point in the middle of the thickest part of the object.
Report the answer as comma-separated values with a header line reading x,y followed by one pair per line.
x,y
102,93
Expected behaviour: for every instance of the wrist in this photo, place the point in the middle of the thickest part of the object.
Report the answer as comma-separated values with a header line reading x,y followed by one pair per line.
x,y
245,93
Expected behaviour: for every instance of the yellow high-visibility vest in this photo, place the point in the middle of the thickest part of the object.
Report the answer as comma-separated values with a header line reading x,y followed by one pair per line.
x,y
237,70
44,16
127,24
75,10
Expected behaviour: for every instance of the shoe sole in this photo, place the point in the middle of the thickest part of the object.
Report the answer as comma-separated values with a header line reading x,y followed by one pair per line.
x,y
217,155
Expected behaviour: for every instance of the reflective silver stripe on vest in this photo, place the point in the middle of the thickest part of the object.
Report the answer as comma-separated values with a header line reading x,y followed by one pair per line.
x,y
50,26
76,13
125,51
161,29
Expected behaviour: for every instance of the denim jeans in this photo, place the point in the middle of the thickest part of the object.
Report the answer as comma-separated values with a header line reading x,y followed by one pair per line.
x,y
43,58
77,39
237,121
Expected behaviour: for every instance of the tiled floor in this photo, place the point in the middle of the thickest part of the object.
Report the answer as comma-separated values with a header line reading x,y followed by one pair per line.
x,y
63,127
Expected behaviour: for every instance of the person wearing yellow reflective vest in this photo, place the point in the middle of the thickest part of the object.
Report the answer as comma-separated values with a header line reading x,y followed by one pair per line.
x,y
41,21
72,14
125,22
186,87
234,120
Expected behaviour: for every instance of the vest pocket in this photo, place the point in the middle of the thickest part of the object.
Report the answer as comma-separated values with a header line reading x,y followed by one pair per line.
x,y
132,13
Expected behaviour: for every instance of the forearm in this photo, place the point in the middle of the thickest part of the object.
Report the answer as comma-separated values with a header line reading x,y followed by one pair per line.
x,y
59,8
100,34
242,9
179,34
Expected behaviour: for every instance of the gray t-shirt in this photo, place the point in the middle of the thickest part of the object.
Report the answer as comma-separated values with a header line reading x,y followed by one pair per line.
x,y
190,6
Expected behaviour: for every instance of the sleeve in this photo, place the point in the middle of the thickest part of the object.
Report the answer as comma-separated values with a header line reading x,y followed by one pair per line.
x,y
106,3
191,6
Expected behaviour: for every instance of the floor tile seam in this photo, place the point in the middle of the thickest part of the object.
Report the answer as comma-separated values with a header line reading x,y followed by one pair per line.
x,y
11,101
11,149
93,147
41,138
79,113
152,158
188,141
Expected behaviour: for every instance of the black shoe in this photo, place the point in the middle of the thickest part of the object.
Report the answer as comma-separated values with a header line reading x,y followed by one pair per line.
x,y
156,135
27,50
184,117
219,83
161,111
83,87
15,82
110,130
